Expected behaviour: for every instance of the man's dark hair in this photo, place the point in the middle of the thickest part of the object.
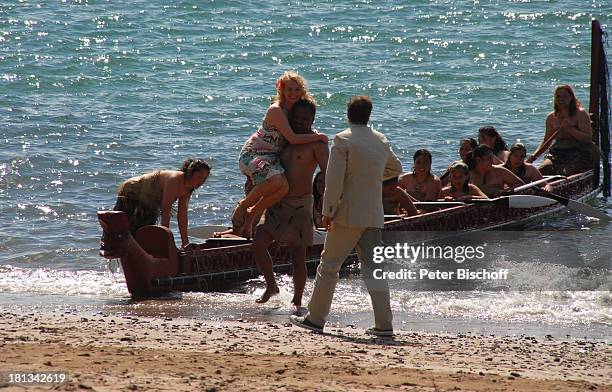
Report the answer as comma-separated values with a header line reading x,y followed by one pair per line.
x,y
471,141
482,151
359,109
305,103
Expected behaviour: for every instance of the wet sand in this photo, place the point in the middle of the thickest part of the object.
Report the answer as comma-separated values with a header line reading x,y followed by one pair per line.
x,y
105,353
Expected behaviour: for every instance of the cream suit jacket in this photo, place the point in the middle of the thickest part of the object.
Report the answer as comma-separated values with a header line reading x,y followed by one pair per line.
x,y
360,159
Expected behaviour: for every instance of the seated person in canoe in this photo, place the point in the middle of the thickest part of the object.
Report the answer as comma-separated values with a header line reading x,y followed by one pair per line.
x,y
491,137
146,197
396,201
318,188
492,180
568,130
465,146
517,165
460,188
421,183
290,220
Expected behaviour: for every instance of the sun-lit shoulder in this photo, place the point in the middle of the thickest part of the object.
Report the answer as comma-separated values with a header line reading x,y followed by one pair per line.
x,y
583,113
405,176
275,115
274,110
405,179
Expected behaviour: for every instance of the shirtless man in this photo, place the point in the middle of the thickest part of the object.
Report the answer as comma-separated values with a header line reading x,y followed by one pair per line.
x,y
492,180
290,221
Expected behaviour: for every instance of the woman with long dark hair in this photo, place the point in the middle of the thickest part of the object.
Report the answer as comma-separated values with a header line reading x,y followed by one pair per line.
x,y
491,137
465,146
421,183
517,165
145,198
460,188
568,130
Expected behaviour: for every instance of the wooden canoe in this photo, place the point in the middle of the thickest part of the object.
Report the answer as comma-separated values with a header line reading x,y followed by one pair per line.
x,y
153,265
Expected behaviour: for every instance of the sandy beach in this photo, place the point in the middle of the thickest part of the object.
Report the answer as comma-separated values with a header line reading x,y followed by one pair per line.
x,y
104,352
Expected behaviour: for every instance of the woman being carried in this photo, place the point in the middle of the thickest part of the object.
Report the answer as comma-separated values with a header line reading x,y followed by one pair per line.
x,y
569,126
517,165
145,198
492,180
421,184
260,156
460,189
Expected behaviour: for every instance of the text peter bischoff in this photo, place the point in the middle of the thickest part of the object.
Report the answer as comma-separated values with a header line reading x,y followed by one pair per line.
x,y
458,254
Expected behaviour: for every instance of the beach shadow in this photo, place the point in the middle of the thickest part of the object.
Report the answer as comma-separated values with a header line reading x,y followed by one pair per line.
x,y
371,340
392,341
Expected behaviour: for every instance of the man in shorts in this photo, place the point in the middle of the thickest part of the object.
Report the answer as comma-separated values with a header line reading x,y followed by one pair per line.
x,y
290,221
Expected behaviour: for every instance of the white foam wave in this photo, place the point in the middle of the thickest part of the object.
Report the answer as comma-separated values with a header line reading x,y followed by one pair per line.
x,y
568,308
50,281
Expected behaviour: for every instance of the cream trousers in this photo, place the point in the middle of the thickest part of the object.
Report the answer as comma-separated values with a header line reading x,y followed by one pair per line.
x,y
339,243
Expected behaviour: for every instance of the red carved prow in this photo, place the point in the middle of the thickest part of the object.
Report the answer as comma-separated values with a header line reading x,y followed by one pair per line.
x,y
151,255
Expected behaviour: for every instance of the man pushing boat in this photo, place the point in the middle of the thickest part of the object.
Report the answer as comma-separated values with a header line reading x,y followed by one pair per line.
x,y
290,221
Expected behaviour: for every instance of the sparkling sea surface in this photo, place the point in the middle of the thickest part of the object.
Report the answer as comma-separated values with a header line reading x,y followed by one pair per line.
x,y
94,92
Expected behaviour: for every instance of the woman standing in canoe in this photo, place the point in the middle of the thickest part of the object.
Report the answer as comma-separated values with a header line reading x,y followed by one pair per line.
x,y
260,156
569,127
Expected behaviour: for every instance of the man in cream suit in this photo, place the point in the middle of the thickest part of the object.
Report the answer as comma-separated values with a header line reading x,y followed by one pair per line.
x,y
353,215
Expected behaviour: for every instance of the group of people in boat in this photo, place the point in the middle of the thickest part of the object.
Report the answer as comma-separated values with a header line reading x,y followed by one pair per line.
x,y
279,161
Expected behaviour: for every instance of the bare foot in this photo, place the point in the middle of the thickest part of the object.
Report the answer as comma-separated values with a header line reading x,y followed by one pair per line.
x,y
300,311
296,301
270,291
220,234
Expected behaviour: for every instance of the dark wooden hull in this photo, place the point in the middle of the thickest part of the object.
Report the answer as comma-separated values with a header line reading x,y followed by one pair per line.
x,y
153,265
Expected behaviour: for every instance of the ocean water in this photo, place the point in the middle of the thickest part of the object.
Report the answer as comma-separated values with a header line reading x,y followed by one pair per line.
x,y
93,92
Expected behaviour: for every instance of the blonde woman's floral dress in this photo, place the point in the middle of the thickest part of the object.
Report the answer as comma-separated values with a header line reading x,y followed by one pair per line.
x,y
260,156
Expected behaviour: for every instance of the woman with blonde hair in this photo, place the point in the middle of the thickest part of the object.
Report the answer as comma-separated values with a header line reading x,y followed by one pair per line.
x,y
260,156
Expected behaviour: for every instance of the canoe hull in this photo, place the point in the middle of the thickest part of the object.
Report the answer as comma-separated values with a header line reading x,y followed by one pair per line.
x,y
153,265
